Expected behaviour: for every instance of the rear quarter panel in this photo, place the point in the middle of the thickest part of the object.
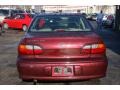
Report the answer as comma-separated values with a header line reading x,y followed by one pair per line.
x,y
9,22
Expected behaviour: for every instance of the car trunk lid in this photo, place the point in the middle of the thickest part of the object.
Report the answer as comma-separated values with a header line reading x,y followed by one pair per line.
x,y
59,45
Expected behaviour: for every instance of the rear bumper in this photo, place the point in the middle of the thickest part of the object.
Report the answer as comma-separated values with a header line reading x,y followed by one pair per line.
x,y
43,71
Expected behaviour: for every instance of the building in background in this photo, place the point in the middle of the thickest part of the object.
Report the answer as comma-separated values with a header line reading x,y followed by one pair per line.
x,y
83,9
105,8
65,8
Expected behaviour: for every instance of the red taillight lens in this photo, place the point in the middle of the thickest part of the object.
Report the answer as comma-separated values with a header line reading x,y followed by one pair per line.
x,y
98,48
25,49
29,50
94,49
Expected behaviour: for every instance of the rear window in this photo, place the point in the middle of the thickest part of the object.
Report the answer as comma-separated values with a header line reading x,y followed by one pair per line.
x,y
59,23
19,16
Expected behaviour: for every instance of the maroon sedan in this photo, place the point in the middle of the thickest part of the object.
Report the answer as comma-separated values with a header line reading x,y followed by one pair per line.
x,y
61,47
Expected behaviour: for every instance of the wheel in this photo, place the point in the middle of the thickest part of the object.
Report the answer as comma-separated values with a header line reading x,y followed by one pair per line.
x,y
5,26
24,28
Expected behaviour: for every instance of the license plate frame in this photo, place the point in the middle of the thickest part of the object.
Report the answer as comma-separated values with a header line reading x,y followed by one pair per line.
x,y
62,71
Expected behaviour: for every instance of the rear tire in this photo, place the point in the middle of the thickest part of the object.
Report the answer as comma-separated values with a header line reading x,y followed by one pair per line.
x,y
24,28
5,26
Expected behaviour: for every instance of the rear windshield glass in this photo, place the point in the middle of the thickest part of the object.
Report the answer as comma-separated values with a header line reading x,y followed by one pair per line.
x,y
19,16
59,23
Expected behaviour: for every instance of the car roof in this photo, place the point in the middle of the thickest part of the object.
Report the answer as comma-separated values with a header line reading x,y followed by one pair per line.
x,y
59,14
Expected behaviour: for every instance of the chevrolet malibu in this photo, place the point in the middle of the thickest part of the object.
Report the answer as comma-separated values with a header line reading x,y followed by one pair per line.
x,y
61,47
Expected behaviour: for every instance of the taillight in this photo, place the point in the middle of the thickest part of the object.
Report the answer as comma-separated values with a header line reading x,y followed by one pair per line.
x,y
98,48
29,50
86,49
37,50
94,49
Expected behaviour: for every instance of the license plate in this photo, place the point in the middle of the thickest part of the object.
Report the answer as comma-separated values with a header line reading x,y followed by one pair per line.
x,y
62,71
